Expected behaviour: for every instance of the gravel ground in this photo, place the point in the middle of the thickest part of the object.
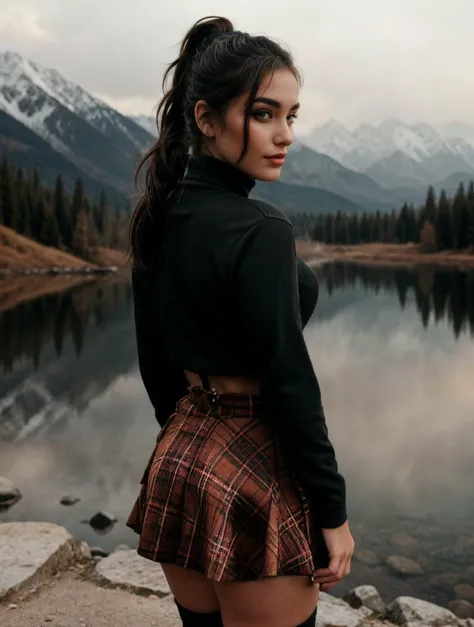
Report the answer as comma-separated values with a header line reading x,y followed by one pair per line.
x,y
71,601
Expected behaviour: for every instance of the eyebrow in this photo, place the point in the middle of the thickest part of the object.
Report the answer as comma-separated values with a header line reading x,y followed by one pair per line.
x,y
274,103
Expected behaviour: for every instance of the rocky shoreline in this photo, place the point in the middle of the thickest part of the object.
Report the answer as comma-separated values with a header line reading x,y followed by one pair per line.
x,y
34,555
55,271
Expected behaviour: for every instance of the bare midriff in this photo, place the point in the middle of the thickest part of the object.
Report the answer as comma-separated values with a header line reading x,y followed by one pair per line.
x,y
227,385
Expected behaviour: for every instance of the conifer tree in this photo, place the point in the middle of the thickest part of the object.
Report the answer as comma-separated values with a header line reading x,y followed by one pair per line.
x,y
318,230
386,228
24,226
8,195
444,233
403,226
364,228
428,211
329,228
37,188
378,227
50,230
80,239
77,201
100,211
340,230
38,216
458,216
470,210
61,211
464,223
354,234
412,225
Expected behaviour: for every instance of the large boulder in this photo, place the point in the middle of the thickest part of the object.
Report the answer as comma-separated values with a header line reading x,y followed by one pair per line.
x,y
335,612
411,612
365,596
30,552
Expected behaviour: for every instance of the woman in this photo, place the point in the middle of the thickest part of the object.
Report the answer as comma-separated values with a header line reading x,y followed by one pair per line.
x,y
241,502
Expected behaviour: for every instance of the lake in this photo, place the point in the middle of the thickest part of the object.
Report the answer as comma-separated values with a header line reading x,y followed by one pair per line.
x,y
393,350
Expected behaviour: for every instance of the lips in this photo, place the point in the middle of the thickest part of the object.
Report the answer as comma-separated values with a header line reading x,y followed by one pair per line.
x,y
279,155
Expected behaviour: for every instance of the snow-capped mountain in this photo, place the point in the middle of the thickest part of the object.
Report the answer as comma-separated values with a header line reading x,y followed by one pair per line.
x,y
305,166
54,125
86,130
456,128
395,152
145,121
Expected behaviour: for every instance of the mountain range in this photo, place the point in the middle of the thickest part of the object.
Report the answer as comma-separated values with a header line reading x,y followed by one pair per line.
x,y
399,155
68,128
53,124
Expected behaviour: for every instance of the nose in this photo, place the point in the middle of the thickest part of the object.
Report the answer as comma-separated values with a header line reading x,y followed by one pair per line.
x,y
284,137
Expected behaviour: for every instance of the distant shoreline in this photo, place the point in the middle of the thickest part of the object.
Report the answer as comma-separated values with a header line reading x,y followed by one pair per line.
x,y
388,255
6,273
21,287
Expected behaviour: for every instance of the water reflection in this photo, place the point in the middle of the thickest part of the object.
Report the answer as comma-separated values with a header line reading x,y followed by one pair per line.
x,y
397,387
439,293
393,353
30,325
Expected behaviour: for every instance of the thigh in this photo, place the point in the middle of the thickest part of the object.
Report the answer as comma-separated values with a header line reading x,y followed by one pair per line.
x,y
191,589
270,602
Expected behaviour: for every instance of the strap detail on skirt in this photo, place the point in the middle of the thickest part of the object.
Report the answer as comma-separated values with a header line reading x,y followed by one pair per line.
x,y
211,392
206,384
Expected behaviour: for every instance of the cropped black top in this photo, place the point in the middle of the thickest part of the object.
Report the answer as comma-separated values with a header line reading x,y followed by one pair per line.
x,y
228,295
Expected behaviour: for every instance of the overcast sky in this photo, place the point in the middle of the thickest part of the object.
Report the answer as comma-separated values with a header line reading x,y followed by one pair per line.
x,y
362,60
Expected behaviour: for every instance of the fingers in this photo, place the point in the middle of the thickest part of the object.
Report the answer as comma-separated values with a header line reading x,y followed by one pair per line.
x,y
325,587
338,569
330,574
347,568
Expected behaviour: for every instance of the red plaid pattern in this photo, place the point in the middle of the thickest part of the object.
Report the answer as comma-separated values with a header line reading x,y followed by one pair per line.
x,y
217,497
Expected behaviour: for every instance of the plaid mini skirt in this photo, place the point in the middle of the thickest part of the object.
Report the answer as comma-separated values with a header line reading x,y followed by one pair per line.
x,y
217,496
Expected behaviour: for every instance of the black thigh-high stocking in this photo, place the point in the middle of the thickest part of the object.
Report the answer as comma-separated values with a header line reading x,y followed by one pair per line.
x,y
214,619
311,621
198,619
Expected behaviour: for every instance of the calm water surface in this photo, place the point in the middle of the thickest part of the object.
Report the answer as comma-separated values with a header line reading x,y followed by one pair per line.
x,y
394,353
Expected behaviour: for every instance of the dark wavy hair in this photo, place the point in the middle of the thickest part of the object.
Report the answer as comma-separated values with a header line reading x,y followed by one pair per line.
x,y
215,64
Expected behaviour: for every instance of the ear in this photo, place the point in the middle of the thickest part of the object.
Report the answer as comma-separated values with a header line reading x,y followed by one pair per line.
x,y
205,119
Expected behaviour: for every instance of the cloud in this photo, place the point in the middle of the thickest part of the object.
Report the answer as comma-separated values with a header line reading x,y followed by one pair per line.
x,y
362,61
20,23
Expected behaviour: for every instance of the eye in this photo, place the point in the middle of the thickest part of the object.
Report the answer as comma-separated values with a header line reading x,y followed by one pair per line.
x,y
262,114
292,117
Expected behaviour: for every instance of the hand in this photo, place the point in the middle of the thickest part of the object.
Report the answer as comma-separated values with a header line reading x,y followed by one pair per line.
x,y
340,545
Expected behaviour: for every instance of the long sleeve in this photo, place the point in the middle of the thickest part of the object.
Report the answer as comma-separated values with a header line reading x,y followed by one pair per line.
x,y
164,382
264,275
308,288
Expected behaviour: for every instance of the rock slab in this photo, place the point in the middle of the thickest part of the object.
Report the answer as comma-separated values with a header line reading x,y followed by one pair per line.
x,y
30,552
365,596
367,557
404,566
128,570
462,608
411,612
9,494
335,612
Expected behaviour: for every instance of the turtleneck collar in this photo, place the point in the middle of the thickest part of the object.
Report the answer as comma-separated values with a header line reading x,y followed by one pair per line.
x,y
220,174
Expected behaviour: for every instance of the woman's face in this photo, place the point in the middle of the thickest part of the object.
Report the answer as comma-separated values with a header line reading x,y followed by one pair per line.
x,y
270,127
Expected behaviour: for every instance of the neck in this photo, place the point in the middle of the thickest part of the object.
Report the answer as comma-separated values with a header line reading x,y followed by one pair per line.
x,y
220,174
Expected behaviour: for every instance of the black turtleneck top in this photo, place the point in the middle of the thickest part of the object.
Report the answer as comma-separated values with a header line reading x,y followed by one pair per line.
x,y
228,295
